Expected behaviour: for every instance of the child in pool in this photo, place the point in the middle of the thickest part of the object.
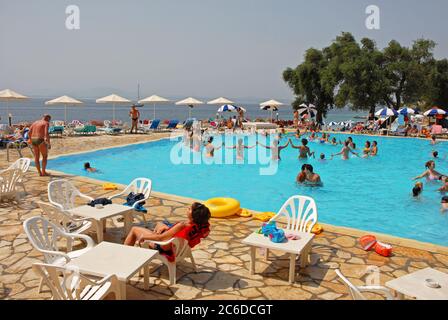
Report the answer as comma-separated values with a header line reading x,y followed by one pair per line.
x,y
444,188
444,204
417,190
88,168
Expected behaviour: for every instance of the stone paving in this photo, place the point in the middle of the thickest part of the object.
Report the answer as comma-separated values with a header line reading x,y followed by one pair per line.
x,y
221,258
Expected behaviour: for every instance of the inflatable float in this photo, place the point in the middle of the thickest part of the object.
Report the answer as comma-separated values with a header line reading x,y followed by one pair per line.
x,y
223,207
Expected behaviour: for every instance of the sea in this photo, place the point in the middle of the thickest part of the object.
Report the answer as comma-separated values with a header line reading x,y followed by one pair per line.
x,y
33,109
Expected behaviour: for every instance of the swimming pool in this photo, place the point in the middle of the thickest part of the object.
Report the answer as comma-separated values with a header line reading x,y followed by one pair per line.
x,y
372,194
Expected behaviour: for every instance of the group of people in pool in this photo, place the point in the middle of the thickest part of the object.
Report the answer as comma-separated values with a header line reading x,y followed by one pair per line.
x,y
432,176
306,175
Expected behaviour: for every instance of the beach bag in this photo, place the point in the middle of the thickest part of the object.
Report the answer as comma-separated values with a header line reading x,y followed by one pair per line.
x,y
133,198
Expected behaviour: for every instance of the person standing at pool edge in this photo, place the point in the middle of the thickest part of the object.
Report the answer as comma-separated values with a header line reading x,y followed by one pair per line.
x,y
135,115
40,141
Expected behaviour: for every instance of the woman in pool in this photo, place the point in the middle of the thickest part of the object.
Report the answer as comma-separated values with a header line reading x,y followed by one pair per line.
x,y
374,149
366,151
88,168
345,151
275,148
430,173
350,143
304,151
240,149
210,148
193,229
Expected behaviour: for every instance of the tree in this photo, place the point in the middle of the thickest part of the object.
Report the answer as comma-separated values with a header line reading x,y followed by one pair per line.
x,y
355,72
437,95
407,71
306,83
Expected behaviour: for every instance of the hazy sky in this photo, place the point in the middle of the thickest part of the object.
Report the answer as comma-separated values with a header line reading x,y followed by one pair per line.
x,y
201,48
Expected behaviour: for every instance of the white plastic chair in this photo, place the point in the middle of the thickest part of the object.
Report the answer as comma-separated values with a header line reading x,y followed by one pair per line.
x,y
356,291
44,236
300,212
138,185
181,250
68,284
301,216
8,184
62,193
22,164
68,222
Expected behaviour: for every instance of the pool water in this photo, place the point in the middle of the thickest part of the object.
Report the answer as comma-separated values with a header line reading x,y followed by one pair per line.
x,y
373,194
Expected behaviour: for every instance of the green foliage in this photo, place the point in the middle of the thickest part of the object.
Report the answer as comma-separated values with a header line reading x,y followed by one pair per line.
x,y
363,77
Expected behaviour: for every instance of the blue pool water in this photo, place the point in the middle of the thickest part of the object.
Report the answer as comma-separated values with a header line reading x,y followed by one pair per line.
x,y
372,194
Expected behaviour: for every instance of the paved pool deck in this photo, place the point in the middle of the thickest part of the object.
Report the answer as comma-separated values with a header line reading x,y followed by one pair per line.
x,y
222,259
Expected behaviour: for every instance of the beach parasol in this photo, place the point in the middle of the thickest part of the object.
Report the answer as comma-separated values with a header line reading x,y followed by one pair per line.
x,y
154,99
271,105
190,102
386,112
310,110
221,101
406,111
66,101
8,95
434,112
114,99
227,107
333,124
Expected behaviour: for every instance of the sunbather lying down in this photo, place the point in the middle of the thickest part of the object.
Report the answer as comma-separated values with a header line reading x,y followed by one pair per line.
x,y
193,230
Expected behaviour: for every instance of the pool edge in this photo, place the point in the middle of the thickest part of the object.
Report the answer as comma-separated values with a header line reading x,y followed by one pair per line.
x,y
404,242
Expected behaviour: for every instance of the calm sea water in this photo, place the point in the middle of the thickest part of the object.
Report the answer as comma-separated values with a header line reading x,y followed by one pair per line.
x,y
34,108
371,194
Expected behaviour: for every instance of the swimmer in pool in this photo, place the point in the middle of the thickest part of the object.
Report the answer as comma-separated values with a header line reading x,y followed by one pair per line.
x,y
417,190
430,173
88,168
240,149
444,188
311,178
444,204
434,140
350,143
275,148
374,149
210,148
367,150
323,159
435,154
304,151
345,151
334,142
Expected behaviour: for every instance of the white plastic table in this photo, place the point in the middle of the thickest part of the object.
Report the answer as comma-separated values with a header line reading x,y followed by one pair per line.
x,y
301,247
98,216
413,285
110,258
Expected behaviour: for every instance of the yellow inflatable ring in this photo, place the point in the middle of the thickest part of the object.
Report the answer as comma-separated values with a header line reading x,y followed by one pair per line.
x,y
222,207
109,186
